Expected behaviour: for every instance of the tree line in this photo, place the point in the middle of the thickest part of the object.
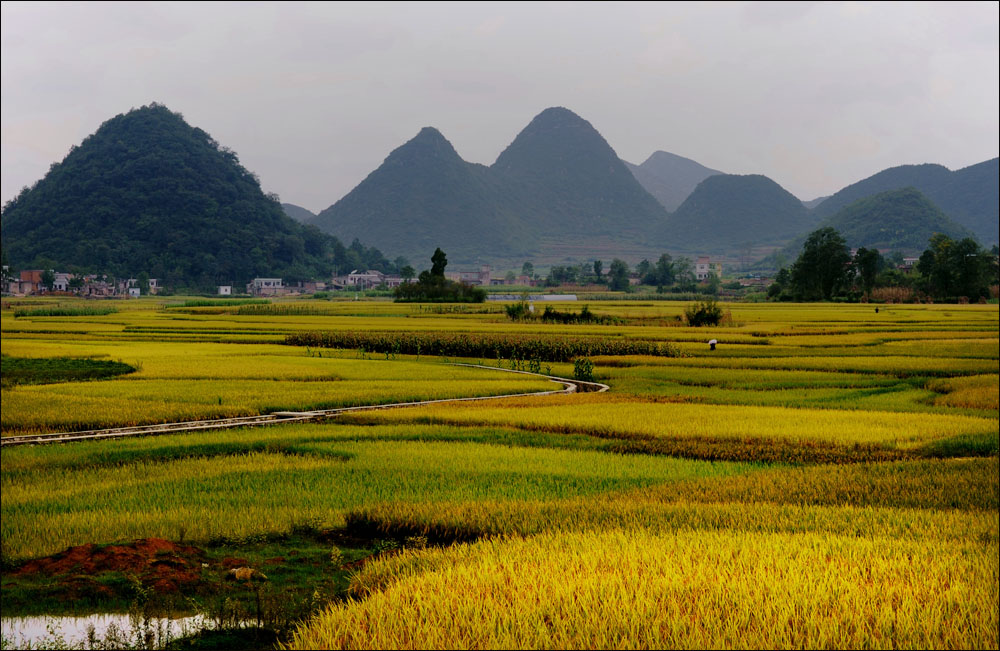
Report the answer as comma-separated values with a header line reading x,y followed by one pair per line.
x,y
948,270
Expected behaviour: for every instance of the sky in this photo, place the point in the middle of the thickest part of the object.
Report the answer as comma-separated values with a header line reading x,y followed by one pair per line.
x,y
314,96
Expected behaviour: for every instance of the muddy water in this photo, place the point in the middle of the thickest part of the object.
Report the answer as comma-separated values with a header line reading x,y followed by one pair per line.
x,y
77,632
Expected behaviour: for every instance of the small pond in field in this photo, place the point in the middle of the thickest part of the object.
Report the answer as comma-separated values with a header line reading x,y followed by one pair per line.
x,y
107,630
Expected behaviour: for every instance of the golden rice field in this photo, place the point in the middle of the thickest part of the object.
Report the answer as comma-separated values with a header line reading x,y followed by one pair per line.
x,y
827,478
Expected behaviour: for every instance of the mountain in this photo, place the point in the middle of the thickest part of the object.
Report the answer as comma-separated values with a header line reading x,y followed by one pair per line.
x,y
149,193
896,220
562,169
970,196
812,203
729,211
425,196
298,213
559,188
669,177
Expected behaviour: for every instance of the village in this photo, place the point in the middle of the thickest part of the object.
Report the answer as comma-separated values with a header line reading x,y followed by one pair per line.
x,y
34,282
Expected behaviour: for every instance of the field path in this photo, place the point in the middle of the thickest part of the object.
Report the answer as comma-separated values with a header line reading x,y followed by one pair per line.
x,y
281,417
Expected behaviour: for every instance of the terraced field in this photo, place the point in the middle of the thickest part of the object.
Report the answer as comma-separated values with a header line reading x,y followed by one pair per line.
x,y
827,477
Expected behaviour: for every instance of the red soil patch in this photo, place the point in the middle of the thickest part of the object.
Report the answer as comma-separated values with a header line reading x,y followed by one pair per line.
x,y
160,564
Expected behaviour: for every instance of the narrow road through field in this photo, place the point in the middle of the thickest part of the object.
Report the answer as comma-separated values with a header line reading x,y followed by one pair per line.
x,y
281,417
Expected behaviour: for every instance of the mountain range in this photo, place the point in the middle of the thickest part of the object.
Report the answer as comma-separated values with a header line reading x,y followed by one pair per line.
x,y
560,193
148,192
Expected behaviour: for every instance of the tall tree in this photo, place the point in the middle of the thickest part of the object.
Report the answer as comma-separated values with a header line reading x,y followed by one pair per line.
x,y
438,262
822,267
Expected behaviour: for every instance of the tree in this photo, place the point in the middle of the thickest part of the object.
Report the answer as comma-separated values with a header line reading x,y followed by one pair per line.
x,y
598,268
867,264
407,272
528,269
644,269
951,268
712,284
664,270
684,277
822,267
779,287
618,276
438,262
48,279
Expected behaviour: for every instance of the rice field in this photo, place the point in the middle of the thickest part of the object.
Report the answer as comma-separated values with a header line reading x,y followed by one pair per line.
x,y
827,477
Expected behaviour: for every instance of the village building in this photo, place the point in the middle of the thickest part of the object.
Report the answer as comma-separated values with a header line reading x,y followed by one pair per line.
x,y
225,290
704,267
481,277
266,287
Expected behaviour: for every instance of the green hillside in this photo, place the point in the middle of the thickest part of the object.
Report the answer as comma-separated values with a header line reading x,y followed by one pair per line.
x,y
896,220
728,211
970,196
149,193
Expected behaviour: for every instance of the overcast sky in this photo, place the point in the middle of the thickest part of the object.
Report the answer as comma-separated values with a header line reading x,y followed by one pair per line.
x,y
314,96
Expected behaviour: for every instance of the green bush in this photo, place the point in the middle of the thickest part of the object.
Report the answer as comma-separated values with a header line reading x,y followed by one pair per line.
x,y
705,313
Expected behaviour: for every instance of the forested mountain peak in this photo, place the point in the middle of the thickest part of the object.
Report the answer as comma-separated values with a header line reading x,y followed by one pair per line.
x,y
147,192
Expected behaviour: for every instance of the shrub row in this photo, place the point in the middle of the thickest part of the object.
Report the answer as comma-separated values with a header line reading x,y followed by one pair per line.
x,y
526,347
66,311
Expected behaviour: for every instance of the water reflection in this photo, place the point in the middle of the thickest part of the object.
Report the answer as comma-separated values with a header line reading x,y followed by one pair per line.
x,y
107,630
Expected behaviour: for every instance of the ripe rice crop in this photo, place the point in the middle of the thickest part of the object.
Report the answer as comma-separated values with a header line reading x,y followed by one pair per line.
x,y
255,482
691,589
621,417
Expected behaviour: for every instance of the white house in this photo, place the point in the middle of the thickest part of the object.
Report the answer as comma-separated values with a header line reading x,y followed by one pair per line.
x,y
266,287
225,290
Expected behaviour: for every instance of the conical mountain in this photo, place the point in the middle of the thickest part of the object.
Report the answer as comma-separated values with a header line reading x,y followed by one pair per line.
x,y
727,211
896,220
563,171
425,196
970,196
669,177
149,193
